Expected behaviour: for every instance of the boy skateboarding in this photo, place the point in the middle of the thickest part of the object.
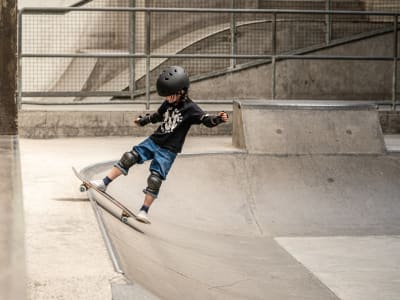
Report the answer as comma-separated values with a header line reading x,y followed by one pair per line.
x,y
176,114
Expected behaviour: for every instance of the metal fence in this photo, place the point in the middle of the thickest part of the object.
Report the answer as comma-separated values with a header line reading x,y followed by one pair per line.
x,y
357,5
83,52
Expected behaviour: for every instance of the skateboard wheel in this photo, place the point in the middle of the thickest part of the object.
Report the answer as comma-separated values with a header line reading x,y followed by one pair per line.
x,y
124,219
82,188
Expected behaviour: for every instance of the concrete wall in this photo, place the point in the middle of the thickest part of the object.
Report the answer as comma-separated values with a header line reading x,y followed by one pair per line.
x,y
54,124
311,79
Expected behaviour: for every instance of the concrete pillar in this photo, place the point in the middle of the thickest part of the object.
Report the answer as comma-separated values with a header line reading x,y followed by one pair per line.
x,y
8,67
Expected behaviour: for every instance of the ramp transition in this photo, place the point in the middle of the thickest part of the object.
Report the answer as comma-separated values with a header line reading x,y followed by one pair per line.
x,y
216,223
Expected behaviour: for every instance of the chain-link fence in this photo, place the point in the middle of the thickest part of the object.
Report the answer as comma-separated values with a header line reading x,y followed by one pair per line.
x,y
78,53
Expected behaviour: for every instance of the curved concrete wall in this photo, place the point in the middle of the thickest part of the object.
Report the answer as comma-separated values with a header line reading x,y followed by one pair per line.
x,y
68,33
97,32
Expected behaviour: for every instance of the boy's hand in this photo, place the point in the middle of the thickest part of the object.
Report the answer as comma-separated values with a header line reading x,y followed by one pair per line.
x,y
142,121
223,116
137,120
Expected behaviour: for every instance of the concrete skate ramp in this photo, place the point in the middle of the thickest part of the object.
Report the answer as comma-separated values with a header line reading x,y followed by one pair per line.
x,y
215,222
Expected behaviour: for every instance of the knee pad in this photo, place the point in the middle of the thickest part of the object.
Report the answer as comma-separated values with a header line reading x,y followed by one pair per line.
x,y
154,182
128,159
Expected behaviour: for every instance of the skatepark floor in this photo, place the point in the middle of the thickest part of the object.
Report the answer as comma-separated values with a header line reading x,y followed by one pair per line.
x,y
66,256
67,259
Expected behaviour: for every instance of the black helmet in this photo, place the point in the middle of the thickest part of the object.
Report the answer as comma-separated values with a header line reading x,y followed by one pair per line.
x,y
172,80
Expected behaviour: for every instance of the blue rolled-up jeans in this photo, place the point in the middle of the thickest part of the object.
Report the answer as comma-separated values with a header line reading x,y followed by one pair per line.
x,y
162,159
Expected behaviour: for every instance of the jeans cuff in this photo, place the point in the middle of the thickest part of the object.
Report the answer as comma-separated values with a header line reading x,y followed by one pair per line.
x,y
150,193
125,172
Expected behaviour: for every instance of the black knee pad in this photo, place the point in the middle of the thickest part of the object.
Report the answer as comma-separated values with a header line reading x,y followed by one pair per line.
x,y
154,182
128,159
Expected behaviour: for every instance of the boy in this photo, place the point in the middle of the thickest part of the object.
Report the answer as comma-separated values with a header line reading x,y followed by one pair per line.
x,y
177,114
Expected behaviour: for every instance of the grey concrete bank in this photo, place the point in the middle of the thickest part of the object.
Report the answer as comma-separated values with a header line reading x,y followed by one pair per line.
x,y
12,253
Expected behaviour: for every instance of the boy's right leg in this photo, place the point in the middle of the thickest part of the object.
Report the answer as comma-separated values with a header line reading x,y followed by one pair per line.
x,y
102,184
127,160
144,210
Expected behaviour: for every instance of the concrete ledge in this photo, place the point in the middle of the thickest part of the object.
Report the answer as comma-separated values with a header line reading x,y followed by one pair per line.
x,y
52,123
55,124
297,128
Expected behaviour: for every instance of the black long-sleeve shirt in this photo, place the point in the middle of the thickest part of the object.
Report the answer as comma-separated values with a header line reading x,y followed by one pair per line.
x,y
176,121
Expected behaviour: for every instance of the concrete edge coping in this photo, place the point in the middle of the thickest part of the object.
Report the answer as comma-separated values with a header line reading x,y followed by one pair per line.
x,y
305,104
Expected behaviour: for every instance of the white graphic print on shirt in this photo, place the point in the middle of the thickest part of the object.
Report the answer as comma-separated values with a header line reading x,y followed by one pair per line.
x,y
172,118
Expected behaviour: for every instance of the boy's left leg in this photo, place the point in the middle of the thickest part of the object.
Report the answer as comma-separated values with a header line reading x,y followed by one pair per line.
x,y
102,184
159,168
142,215
154,182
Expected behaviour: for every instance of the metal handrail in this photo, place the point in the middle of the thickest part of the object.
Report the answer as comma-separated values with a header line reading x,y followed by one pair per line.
x,y
232,56
38,10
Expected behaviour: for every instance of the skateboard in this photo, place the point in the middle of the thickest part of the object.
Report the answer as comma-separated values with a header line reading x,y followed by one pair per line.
x,y
86,185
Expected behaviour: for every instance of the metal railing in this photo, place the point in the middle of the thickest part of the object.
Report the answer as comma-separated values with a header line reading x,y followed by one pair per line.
x,y
146,54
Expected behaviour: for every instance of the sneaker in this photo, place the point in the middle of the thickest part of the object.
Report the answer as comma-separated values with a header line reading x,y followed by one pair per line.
x,y
99,184
142,217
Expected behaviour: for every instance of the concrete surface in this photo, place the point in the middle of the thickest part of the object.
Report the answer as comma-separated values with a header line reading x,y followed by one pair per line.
x,y
229,224
217,239
264,225
362,267
12,250
392,142
66,256
323,127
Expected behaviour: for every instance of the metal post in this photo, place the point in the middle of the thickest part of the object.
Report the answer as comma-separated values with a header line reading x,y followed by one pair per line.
x,y
273,57
395,56
273,77
132,49
274,34
148,50
233,37
328,21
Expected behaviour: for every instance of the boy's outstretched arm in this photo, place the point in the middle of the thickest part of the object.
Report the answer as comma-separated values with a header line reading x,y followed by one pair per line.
x,y
212,120
148,118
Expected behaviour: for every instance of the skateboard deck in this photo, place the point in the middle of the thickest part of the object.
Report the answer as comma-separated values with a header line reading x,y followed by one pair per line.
x,y
126,213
